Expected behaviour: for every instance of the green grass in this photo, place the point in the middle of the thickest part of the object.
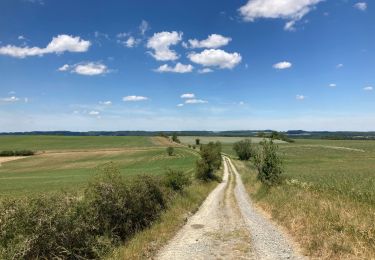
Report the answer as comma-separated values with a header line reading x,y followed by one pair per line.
x,y
328,200
72,168
42,143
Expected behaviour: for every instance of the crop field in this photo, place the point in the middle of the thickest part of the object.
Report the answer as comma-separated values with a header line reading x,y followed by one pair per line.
x,y
328,199
68,163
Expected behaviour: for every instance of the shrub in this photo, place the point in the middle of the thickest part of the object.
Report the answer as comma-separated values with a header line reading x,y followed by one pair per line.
x,y
175,138
268,163
170,151
243,149
6,153
210,161
177,180
194,147
197,141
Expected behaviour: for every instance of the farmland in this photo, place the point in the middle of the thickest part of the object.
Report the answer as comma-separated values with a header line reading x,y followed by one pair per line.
x,y
68,163
328,199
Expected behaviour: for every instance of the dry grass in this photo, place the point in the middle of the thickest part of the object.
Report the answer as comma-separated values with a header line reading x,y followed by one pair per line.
x,y
326,225
145,244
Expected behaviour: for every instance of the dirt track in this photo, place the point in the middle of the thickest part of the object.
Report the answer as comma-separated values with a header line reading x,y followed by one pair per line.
x,y
227,226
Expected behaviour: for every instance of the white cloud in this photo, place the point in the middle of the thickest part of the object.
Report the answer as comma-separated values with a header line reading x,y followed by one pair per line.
x,y
205,70
300,97
21,37
178,68
216,58
86,69
11,99
332,85
361,6
282,65
134,98
106,103
59,44
127,40
340,65
188,95
368,88
65,67
213,41
94,113
161,42
292,10
195,101
180,105
143,27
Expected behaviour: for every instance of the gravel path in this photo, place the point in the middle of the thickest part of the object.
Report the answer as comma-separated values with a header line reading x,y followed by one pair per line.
x,y
227,226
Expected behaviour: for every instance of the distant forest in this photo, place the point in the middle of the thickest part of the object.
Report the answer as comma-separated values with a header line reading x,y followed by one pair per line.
x,y
295,134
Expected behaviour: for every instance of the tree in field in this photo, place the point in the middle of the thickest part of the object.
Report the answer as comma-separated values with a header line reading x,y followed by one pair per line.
x,y
269,163
210,161
244,149
170,151
175,138
197,141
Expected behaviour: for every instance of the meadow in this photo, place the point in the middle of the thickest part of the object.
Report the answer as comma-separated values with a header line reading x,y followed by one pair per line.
x,y
68,163
327,202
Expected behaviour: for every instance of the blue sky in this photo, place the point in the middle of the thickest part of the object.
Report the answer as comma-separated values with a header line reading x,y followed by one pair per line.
x,y
187,65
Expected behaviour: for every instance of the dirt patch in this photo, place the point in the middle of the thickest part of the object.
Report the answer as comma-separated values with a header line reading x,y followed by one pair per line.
x,y
11,158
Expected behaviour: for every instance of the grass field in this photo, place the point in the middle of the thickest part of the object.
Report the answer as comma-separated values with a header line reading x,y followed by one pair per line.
x,y
67,163
328,200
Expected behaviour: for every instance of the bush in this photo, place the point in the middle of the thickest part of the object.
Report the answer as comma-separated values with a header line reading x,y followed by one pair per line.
x,y
197,141
86,227
210,161
170,151
269,164
243,149
16,153
177,180
194,147
175,138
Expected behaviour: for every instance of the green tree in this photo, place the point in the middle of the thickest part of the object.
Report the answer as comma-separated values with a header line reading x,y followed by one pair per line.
x,y
197,141
210,161
269,163
243,149
170,150
175,138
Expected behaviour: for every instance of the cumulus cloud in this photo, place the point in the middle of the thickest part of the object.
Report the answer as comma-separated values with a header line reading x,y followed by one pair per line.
x,y
143,27
282,65
188,95
134,98
292,10
178,68
94,113
195,101
205,70
86,69
368,88
127,40
106,103
11,99
59,44
300,97
216,58
362,6
332,85
213,41
180,105
161,42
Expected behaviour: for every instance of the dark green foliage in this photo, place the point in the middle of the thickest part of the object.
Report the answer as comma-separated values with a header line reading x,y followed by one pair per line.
x,y
197,141
269,163
177,180
170,150
194,147
244,149
280,136
16,153
175,138
210,161
86,227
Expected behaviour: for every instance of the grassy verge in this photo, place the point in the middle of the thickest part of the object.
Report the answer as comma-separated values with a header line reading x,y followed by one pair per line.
x,y
327,224
145,244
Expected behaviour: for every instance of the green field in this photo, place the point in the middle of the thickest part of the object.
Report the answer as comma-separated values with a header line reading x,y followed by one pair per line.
x,y
328,199
67,163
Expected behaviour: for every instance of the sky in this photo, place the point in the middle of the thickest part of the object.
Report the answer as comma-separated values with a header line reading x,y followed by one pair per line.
x,y
85,65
